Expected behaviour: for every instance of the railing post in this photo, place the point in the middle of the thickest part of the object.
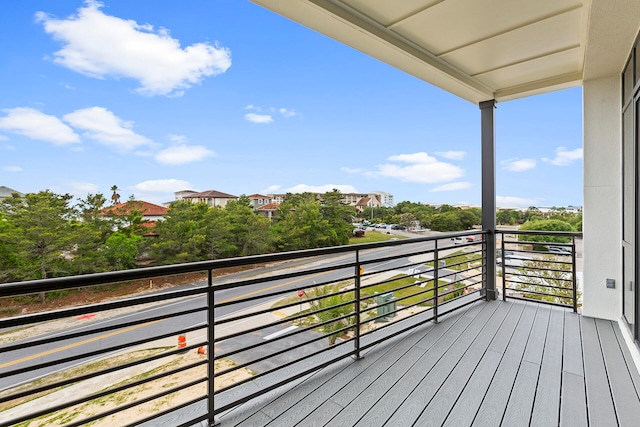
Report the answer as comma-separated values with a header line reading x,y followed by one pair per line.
x,y
504,269
487,124
213,420
574,279
436,275
356,340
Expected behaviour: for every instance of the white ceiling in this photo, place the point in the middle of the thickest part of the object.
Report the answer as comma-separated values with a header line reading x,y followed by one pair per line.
x,y
478,49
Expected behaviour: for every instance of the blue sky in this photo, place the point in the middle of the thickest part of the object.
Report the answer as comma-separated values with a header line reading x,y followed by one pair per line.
x,y
156,97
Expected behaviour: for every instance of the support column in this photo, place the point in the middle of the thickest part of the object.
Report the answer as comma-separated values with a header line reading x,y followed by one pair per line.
x,y
488,132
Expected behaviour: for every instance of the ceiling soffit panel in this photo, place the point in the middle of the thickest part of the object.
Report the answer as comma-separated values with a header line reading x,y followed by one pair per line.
x,y
557,34
454,24
476,49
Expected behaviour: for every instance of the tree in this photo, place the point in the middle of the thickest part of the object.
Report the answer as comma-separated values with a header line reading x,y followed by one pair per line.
x,y
184,234
121,250
41,234
546,225
248,231
115,197
331,303
339,217
547,276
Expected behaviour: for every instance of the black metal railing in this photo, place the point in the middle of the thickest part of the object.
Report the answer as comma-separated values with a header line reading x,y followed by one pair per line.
x,y
226,338
539,266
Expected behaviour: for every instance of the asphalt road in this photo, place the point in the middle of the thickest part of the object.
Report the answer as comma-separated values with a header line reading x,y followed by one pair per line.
x,y
91,342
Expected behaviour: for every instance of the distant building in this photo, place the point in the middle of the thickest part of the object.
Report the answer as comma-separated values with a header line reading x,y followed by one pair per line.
x,y
358,200
269,210
6,192
258,200
182,193
150,211
211,198
386,199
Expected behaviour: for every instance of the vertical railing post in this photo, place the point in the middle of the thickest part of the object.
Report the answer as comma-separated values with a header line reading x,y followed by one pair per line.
x,y
213,420
504,268
356,340
436,275
574,279
488,152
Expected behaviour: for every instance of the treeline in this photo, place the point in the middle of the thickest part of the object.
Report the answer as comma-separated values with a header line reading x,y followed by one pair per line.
x,y
44,235
452,218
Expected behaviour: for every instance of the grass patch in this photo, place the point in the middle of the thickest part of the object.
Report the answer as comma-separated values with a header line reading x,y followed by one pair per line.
x,y
403,280
456,258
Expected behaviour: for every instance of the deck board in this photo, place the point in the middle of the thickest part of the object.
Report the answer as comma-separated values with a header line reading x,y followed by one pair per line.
x,y
600,408
490,364
624,394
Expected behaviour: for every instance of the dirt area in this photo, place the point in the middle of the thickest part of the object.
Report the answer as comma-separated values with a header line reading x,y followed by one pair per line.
x,y
90,295
121,398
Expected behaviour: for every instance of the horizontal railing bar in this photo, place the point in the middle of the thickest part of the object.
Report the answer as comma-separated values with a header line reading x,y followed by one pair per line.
x,y
527,291
122,366
279,383
5,349
98,352
103,393
540,285
125,406
298,331
269,310
286,365
92,308
239,284
260,359
157,415
557,304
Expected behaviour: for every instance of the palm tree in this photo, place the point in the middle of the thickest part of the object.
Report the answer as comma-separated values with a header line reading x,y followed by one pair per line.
x,y
115,197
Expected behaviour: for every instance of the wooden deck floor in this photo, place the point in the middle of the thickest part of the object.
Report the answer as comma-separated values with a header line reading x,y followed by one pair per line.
x,y
494,363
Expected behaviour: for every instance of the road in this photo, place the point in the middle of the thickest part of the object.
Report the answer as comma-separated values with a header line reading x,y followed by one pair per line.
x,y
93,342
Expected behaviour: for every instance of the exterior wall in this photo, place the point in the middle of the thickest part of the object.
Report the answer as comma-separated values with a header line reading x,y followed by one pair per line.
x,y
602,212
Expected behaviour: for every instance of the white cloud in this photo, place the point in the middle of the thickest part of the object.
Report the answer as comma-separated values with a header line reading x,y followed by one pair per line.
x,y
181,154
421,168
105,127
12,169
3,138
564,157
453,186
177,138
272,188
37,125
252,107
507,201
83,188
286,112
101,46
162,186
351,170
518,165
452,155
258,118
302,188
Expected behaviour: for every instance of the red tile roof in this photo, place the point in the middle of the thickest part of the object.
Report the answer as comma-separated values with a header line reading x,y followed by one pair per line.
x,y
269,207
258,196
147,209
210,194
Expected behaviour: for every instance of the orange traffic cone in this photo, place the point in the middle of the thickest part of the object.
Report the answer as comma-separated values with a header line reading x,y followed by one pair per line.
x,y
201,350
182,341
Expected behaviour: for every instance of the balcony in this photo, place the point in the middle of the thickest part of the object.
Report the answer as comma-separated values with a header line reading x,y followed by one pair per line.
x,y
399,332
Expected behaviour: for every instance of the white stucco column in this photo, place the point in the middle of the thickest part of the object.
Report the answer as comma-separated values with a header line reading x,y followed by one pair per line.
x,y
602,198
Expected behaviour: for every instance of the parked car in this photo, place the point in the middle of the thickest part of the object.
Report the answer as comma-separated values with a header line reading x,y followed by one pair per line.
x,y
457,240
561,250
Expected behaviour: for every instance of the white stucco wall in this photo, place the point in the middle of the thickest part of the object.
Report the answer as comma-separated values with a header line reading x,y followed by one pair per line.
x,y
602,216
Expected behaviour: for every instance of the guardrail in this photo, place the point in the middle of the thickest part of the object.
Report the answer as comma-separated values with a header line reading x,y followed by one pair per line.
x,y
270,327
539,266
